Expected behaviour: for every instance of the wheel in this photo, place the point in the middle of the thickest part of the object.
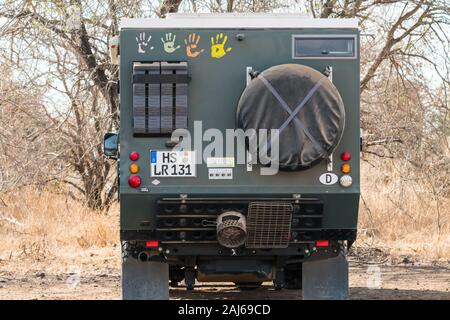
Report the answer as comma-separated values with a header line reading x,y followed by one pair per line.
x,y
293,276
190,287
325,279
144,280
176,275
248,286
278,287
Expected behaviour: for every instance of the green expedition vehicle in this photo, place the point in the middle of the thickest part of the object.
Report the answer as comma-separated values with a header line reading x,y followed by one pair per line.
x,y
223,218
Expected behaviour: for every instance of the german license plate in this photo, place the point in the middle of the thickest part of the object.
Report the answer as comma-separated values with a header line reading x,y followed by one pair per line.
x,y
172,164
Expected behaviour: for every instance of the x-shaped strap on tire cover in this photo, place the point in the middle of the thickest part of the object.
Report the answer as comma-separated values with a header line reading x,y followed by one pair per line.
x,y
293,113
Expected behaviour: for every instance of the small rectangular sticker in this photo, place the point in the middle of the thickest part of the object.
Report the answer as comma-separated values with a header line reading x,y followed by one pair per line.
x,y
220,162
220,174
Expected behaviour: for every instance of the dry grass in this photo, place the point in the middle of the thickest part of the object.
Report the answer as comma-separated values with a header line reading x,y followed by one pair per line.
x,y
403,216
400,218
42,226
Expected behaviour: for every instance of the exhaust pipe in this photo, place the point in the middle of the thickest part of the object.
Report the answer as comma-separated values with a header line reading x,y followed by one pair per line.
x,y
143,256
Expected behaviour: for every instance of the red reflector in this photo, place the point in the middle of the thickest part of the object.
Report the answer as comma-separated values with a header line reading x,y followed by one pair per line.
x,y
152,244
322,243
134,181
346,156
134,156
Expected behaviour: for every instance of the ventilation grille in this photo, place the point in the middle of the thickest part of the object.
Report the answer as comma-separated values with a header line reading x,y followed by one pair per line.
x,y
268,225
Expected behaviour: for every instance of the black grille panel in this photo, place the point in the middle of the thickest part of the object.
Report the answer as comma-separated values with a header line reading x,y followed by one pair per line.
x,y
181,236
268,225
192,220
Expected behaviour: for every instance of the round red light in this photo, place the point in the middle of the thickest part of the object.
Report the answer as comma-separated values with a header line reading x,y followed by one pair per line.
x,y
134,181
134,156
346,156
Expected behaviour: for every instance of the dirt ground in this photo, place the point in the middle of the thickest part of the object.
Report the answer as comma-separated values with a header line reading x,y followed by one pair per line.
x,y
98,277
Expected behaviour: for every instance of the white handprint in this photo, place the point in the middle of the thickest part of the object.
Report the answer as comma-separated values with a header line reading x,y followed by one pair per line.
x,y
143,42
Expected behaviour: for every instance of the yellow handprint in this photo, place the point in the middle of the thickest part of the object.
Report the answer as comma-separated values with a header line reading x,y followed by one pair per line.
x,y
218,46
192,45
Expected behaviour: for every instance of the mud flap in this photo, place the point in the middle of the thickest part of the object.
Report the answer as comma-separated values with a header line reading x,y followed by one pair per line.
x,y
326,279
144,280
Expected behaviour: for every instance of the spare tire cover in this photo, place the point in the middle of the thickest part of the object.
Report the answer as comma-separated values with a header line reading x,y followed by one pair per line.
x,y
317,127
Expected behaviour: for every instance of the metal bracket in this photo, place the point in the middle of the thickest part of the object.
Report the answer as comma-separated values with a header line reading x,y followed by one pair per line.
x,y
161,78
173,143
329,73
249,162
330,163
248,76
248,72
183,198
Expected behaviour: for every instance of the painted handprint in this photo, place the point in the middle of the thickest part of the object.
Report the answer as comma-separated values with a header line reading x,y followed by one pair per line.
x,y
143,42
169,43
191,42
218,46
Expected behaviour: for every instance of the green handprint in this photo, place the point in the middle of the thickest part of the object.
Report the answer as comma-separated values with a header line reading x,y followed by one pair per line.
x,y
169,43
218,46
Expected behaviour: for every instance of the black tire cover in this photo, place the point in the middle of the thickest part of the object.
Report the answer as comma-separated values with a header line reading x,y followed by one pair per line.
x,y
322,118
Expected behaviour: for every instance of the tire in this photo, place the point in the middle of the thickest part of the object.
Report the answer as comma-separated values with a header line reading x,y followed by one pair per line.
x,y
248,286
176,275
144,280
293,277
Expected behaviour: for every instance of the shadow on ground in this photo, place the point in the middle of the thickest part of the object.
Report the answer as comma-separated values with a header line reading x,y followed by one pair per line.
x,y
415,282
268,293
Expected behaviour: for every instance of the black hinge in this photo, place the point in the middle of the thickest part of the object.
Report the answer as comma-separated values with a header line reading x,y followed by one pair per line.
x,y
161,78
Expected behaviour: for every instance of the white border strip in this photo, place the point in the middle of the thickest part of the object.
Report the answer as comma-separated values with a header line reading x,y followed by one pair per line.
x,y
239,22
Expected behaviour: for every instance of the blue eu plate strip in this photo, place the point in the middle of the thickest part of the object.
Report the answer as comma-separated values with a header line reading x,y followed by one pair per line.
x,y
153,156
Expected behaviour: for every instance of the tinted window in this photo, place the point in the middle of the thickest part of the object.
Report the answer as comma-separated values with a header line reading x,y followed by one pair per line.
x,y
324,47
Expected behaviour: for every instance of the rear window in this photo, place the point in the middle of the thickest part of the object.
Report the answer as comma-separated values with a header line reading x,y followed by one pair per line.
x,y
324,46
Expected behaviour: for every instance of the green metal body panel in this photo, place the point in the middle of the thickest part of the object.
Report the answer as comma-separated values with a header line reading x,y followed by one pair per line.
x,y
214,92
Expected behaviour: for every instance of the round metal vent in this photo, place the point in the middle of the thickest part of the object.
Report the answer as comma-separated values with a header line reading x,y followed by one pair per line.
x,y
231,229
